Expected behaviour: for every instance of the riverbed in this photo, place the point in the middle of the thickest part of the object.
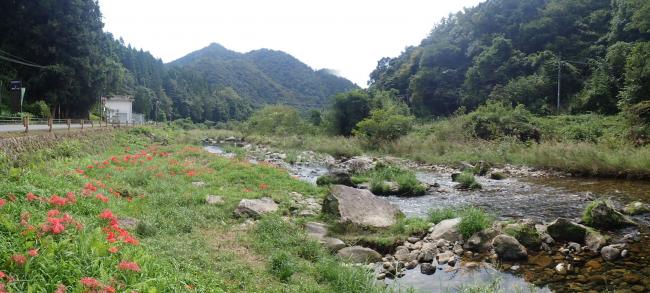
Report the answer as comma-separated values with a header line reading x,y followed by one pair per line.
x,y
541,199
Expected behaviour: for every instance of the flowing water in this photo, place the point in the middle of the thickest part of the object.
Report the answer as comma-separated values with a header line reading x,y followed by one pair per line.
x,y
541,199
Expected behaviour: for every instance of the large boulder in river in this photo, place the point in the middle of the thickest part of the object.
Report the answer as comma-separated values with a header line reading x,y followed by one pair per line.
x,y
359,254
255,207
565,230
447,230
360,207
601,214
508,248
594,240
340,177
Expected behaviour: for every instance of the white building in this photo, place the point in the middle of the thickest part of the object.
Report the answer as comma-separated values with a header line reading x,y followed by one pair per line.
x,y
118,109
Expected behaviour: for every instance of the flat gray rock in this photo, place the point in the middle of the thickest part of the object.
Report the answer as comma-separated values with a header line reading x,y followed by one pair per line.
x,y
360,207
255,207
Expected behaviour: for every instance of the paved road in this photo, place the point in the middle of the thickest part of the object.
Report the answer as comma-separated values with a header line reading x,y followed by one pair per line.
x,y
20,127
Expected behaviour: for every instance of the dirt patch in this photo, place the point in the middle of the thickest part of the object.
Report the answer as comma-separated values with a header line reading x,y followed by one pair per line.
x,y
231,241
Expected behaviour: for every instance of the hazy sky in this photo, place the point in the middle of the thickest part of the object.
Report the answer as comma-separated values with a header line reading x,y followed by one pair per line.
x,y
348,36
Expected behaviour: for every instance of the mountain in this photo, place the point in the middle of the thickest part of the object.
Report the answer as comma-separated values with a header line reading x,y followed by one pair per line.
x,y
512,50
263,76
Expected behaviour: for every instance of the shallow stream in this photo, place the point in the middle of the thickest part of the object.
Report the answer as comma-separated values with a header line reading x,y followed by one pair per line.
x,y
541,199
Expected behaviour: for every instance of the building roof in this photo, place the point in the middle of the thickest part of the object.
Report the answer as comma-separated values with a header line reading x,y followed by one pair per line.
x,y
120,98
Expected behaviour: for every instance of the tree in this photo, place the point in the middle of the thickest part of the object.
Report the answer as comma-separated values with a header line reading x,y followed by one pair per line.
x,y
347,110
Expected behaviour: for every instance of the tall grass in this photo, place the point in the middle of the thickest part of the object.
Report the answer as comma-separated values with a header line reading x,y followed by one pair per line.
x,y
472,219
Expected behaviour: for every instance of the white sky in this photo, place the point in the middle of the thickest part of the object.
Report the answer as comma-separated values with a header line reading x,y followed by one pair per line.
x,y
346,36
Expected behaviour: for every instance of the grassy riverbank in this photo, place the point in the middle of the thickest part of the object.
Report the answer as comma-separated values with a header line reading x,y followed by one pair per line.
x,y
584,145
58,205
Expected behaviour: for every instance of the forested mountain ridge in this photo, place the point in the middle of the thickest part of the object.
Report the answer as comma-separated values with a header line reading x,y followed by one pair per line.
x,y
265,76
67,62
509,50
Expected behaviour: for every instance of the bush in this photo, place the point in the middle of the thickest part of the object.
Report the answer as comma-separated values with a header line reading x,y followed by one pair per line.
x,y
348,110
496,120
383,125
39,108
277,120
466,180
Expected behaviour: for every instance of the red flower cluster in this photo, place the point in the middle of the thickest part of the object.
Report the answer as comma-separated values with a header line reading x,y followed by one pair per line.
x,y
57,225
128,266
95,286
113,231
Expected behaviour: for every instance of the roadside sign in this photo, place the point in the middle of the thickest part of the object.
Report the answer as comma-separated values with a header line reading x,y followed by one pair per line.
x,y
16,85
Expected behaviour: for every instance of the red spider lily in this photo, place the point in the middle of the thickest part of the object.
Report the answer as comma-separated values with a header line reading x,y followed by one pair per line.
x,y
101,197
90,186
91,283
191,173
57,200
113,249
247,190
71,197
263,186
56,225
24,219
19,259
53,213
33,252
32,197
2,202
106,162
149,158
79,171
89,167
128,266
61,289
106,214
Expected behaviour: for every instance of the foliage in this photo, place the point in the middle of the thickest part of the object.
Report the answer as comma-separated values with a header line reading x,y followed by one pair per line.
x,y
440,214
496,120
383,125
39,109
276,120
466,180
347,110
472,219
510,51
406,182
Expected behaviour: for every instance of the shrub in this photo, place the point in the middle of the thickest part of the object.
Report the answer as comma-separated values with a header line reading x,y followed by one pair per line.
x,y
526,235
278,120
466,180
496,120
383,125
348,110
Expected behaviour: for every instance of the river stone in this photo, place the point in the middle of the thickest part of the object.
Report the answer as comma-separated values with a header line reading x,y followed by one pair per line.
x,y
335,177
610,252
593,265
403,255
360,207
198,184
214,200
563,229
359,164
446,257
427,269
594,240
481,241
333,244
636,208
426,256
359,254
508,248
446,230
603,215
255,207
561,268
128,223
316,229
541,260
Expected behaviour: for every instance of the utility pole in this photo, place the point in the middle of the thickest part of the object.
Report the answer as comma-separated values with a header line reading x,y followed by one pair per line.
x,y
559,80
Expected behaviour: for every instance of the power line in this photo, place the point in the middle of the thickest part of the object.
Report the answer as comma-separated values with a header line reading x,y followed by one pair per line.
x,y
14,56
9,59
